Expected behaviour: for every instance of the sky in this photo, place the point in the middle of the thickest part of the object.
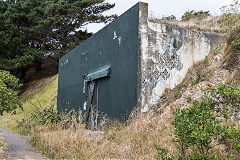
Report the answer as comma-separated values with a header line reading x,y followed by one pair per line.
x,y
160,8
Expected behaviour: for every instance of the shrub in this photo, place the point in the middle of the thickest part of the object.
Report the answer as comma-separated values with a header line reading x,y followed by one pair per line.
x,y
196,127
193,15
229,21
235,39
38,116
9,89
227,99
200,126
163,154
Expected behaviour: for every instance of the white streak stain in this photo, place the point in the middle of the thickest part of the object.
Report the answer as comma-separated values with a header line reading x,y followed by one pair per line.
x,y
119,40
114,35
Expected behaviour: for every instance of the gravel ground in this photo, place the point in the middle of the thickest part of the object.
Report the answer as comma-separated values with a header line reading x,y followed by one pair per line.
x,y
18,147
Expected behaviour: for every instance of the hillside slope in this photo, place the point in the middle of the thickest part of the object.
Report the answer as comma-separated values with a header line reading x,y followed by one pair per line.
x,y
40,93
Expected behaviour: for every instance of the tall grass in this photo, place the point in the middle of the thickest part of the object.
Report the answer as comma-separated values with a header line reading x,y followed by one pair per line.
x,y
137,140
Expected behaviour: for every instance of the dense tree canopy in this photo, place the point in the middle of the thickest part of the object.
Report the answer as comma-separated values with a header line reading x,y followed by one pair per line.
x,y
36,27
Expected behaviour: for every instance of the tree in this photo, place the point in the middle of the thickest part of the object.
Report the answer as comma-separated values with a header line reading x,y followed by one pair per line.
x,y
9,89
29,28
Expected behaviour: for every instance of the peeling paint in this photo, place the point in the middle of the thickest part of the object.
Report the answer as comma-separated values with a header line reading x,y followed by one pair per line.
x,y
119,40
64,63
114,35
85,52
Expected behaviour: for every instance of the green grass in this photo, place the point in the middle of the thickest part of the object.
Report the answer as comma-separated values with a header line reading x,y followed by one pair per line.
x,y
44,97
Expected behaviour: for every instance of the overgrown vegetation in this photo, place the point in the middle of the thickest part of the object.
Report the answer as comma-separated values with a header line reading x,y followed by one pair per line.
x,y
38,116
196,127
119,141
47,117
3,147
198,132
205,125
231,20
233,50
172,17
230,17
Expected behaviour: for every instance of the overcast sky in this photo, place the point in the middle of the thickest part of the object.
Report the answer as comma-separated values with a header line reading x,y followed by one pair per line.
x,y
164,7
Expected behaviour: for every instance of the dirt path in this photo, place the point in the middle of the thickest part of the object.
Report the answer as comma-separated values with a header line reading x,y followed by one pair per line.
x,y
18,147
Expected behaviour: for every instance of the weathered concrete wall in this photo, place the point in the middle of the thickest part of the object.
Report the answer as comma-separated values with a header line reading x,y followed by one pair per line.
x,y
167,53
145,59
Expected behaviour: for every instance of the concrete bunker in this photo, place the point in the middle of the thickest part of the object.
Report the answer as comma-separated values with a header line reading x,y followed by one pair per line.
x,y
128,63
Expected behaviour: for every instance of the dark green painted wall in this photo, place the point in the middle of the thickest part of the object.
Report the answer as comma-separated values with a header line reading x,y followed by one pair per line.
x,y
117,93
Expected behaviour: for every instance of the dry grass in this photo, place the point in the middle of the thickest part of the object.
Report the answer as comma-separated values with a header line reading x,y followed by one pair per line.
x,y
209,24
137,140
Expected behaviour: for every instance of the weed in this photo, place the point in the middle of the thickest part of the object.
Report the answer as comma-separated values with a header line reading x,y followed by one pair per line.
x,y
2,143
189,99
38,116
178,94
198,78
48,117
163,154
